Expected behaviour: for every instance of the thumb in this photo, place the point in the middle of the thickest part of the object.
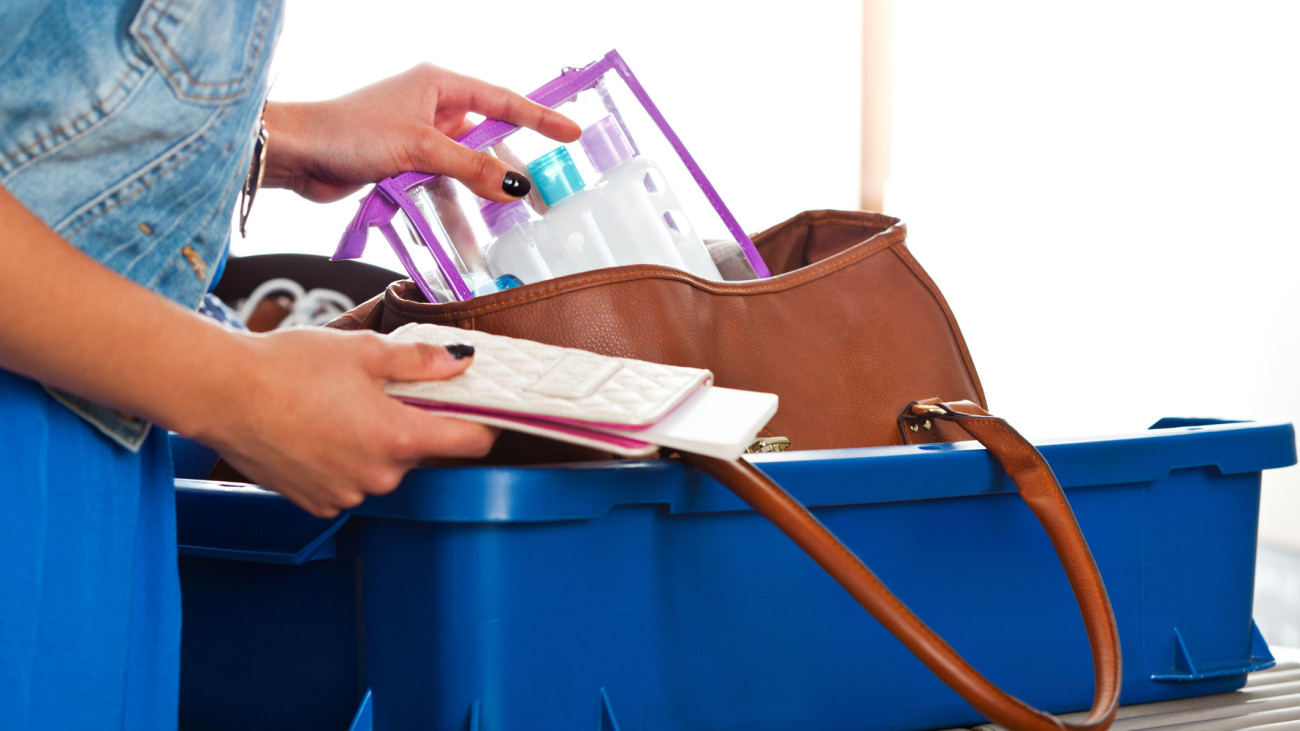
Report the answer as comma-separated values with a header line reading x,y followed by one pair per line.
x,y
482,173
424,362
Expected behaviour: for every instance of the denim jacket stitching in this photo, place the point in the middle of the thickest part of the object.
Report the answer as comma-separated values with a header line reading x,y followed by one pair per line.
x,y
177,85
250,63
138,182
129,434
99,112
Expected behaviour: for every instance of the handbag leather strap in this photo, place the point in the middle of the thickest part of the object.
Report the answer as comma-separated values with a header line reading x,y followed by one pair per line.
x,y
1038,487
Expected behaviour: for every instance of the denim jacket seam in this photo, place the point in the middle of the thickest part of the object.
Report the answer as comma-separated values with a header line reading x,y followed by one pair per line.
x,y
250,65
137,67
138,182
129,436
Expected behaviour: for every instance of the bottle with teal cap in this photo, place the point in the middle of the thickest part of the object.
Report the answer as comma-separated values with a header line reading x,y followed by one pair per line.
x,y
585,219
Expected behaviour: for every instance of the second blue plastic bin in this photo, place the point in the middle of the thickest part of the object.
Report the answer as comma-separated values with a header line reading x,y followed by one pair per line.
x,y
640,596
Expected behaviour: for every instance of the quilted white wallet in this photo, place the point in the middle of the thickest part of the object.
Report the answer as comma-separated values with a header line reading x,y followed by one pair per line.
x,y
620,405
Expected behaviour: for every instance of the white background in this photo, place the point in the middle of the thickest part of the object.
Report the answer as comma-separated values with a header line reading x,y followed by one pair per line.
x,y
1105,192
1108,195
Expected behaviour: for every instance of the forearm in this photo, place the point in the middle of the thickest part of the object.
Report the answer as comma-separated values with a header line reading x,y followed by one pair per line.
x,y
301,411
76,325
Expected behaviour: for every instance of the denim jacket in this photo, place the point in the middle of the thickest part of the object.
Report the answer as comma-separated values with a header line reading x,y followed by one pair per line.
x,y
128,127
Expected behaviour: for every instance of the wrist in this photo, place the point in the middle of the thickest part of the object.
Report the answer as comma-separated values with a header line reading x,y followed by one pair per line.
x,y
221,384
284,123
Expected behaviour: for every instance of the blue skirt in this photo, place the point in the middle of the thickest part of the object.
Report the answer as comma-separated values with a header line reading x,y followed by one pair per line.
x,y
89,594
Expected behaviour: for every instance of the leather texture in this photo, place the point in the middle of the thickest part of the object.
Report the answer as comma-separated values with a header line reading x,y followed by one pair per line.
x,y
847,331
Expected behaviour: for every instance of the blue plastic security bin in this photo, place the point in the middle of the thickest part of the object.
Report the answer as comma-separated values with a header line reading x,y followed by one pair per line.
x,y
642,596
268,637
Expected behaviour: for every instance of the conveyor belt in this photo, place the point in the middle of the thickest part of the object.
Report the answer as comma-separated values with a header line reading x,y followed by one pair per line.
x,y
1270,700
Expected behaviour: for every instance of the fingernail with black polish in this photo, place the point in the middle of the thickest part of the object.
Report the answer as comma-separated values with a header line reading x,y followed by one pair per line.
x,y
459,350
516,184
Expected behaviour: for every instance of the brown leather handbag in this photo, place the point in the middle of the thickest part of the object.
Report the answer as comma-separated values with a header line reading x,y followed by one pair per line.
x,y
862,349
847,330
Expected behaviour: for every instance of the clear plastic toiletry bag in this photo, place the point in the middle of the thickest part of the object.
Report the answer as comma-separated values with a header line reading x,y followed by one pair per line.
x,y
626,193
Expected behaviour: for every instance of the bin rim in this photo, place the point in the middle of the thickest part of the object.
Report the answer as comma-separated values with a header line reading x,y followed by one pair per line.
x,y
576,491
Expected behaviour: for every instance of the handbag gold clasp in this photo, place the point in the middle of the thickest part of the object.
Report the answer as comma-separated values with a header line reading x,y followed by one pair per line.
x,y
768,444
930,409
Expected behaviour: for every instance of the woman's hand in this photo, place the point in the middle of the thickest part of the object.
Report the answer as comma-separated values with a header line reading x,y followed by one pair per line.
x,y
324,151
310,418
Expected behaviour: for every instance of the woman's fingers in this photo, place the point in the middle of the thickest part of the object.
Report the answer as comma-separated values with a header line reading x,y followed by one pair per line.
x,y
482,173
393,361
420,434
496,102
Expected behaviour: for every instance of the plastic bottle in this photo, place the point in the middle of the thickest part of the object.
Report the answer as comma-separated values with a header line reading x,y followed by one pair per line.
x,y
585,219
518,242
646,204
456,237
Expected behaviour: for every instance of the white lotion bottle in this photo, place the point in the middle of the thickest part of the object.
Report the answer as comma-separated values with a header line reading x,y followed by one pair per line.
x,y
518,242
585,219
645,203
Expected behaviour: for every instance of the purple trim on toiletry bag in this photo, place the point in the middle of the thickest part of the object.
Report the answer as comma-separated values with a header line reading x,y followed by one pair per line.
x,y
380,206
